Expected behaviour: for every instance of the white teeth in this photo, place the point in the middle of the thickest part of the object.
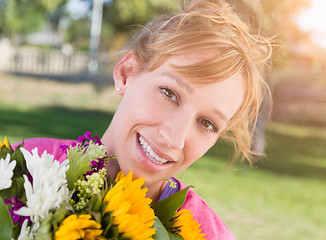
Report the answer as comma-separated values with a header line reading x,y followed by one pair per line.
x,y
149,152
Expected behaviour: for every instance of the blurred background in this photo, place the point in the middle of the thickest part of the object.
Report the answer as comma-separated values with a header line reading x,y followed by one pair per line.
x,y
56,61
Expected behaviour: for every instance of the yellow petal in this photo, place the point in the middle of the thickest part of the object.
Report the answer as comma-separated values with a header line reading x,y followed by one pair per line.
x,y
127,179
70,235
78,227
118,188
189,227
6,143
91,234
130,208
122,209
119,176
114,202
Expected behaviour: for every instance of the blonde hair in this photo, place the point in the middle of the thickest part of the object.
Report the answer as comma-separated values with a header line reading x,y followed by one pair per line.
x,y
211,25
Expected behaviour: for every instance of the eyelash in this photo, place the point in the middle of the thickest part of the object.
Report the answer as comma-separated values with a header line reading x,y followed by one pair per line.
x,y
165,91
213,129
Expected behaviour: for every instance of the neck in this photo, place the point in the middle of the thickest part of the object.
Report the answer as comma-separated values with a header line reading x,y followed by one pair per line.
x,y
112,168
155,190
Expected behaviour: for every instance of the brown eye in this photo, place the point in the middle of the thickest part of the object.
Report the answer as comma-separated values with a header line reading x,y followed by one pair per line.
x,y
208,126
169,94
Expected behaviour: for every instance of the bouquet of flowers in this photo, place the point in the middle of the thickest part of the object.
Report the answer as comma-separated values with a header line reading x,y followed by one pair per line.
x,y
43,199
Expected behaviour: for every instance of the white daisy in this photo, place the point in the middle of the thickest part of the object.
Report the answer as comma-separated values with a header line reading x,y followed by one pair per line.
x,y
49,189
6,172
25,232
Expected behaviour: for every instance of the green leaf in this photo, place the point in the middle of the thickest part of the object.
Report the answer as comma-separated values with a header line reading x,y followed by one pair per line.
x,y
44,231
166,208
20,168
95,203
106,223
161,232
3,155
6,223
16,190
4,150
114,232
51,223
80,158
174,236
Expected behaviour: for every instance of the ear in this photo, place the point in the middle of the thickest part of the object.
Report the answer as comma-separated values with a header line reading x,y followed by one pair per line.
x,y
127,67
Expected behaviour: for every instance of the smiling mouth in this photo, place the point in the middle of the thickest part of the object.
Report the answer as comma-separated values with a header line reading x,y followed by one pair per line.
x,y
150,153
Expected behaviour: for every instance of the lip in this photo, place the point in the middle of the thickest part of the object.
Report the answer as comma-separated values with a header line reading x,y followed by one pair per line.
x,y
144,159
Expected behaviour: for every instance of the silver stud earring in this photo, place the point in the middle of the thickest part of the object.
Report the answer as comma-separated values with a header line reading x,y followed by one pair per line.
x,y
118,89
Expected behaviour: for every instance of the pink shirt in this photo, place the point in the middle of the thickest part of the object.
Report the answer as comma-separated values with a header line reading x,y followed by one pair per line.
x,y
211,224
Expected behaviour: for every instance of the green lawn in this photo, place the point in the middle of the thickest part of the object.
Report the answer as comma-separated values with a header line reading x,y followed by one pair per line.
x,y
282,197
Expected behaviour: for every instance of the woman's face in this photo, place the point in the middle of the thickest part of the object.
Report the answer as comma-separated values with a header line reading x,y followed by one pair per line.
x,y
165,122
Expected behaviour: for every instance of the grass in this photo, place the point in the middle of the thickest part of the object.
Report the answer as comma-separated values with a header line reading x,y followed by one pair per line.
x,y
57,122
282,197
259,204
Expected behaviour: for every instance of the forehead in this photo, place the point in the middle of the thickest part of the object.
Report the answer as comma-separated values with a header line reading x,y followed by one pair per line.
x,y
192,57
207,66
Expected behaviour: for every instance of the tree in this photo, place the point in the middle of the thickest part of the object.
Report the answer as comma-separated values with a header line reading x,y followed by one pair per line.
x,y
20,17
119,20
78,33
124,17
271,19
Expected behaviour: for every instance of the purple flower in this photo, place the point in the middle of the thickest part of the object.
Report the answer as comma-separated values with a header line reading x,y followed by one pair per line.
x,y
16,205
96,166
82,139
64,148
98,140
30,178
87,135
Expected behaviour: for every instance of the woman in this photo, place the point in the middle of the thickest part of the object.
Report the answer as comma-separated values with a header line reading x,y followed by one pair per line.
x,y
186,80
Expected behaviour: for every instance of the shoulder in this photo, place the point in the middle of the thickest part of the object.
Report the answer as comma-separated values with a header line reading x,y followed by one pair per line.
x,y
211,224
51,145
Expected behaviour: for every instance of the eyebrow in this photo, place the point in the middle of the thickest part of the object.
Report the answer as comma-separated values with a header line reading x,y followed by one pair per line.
x,y
221,115
179,80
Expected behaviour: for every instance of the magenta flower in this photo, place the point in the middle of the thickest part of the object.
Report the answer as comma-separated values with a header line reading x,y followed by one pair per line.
x,y
83,138
16,205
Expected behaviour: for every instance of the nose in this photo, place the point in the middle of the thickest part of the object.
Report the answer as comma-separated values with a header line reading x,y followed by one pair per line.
x,y
174,132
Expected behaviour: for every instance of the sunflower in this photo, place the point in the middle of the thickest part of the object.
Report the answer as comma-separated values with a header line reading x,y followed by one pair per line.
x,y
78,227
130,208
5,143
188,227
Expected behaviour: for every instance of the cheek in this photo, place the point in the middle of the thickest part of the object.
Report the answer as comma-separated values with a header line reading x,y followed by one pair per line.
x,y
198,146
150,104
141,106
